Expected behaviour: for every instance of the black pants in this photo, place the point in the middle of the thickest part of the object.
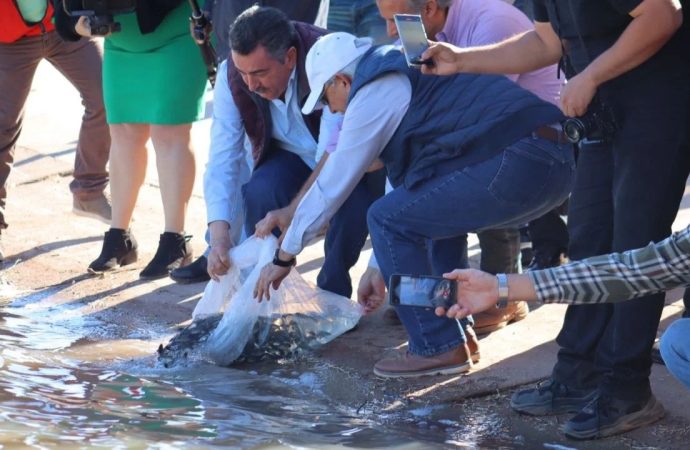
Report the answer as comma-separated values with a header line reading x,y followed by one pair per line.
x,y
626,194
549,234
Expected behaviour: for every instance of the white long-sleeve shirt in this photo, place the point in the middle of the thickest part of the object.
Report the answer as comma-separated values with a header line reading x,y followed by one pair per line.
x,y
372,116
230,164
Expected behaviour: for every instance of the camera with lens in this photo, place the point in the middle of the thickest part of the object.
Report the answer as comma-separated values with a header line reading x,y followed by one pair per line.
x,y
597,124
100,13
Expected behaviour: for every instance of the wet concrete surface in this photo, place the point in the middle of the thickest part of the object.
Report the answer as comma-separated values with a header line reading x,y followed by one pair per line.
x,y
48,249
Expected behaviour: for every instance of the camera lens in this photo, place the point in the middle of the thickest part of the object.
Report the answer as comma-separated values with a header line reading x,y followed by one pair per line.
x,y
574,130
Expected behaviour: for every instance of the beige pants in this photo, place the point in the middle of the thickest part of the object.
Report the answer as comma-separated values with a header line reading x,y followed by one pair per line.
x,y
80,62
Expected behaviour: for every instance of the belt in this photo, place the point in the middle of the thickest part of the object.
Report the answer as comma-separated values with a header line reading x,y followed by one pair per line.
x,y
550,134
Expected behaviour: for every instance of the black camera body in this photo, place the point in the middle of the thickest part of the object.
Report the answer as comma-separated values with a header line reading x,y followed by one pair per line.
x,y
598,124
100,13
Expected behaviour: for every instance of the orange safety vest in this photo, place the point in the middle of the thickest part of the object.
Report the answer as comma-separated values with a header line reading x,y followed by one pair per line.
x,y
13,26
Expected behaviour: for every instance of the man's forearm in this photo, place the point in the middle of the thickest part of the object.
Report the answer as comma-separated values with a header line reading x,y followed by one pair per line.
x,y
522,53
521,288
654,24
219,231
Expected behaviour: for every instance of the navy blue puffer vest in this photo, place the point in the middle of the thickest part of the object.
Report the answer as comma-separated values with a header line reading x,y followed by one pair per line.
x,y
453,121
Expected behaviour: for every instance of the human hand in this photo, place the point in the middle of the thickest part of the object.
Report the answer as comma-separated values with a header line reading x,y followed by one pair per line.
x,y
445,58
477,291
577,94
271,276
218,258
280,218
83,26
371,292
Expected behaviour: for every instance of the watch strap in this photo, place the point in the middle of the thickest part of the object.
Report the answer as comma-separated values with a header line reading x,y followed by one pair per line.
x,y
279,262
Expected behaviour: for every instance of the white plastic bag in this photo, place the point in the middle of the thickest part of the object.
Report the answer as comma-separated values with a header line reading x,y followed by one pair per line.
x,y
299,316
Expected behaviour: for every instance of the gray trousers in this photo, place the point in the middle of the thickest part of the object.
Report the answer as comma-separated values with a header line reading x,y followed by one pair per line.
x,y
80,62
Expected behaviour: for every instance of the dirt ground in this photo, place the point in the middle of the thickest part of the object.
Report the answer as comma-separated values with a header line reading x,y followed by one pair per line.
x,y
47,251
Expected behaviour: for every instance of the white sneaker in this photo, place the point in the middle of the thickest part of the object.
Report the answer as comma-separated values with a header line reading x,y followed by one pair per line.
x,y
97,208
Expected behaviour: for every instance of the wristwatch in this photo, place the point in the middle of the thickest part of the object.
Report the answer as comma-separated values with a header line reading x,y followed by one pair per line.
x,y
502,290
279,262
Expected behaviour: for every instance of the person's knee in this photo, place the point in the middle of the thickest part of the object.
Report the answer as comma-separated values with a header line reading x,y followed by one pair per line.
x,y
126,136
257,192
675,342
171,136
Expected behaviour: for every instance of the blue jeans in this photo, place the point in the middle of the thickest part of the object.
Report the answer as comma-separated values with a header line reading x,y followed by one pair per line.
x,y
523,182
675,349
359,17
277,181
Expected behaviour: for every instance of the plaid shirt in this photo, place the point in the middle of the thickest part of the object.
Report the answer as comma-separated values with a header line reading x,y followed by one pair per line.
x,y
618,276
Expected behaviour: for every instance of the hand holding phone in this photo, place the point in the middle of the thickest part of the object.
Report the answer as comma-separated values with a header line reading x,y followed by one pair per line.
x,y
413,38
422,291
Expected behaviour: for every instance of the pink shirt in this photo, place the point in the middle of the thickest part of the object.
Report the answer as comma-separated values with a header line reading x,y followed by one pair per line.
x,y
472,23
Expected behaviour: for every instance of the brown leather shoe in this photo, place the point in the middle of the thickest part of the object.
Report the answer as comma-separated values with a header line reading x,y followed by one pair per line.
x,y
408,365
496,318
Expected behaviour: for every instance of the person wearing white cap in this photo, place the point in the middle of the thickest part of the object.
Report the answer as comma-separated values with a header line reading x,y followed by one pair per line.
x,y
463,153
258,94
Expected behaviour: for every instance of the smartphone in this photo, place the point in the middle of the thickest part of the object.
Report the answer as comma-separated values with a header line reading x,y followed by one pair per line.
x,y
422,291
413,38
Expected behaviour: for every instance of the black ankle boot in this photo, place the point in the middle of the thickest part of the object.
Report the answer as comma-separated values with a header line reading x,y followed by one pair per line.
x,y
173,251
119,249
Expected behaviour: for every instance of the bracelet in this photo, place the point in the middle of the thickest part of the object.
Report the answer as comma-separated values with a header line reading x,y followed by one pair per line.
x,y
502,290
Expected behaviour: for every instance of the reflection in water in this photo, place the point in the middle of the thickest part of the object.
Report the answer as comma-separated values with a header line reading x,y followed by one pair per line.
x,y
51,394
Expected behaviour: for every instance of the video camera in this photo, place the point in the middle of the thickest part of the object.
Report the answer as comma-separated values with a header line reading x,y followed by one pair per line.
x,y
100,13
597,124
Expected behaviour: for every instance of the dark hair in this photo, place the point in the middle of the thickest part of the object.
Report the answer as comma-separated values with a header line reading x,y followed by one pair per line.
x,y
265,26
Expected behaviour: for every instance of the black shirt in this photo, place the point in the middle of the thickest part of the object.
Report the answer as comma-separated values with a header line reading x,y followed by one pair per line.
x,y
592,24
590,27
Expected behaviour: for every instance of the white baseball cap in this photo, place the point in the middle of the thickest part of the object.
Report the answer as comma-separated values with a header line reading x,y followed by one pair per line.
x,y
330,54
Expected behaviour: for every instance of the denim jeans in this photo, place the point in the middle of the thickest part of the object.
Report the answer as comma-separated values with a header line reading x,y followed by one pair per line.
x,y
675,349
277,181
358,17
527,179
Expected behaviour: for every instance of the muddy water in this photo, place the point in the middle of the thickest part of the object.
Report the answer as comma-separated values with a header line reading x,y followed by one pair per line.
x,y
64,386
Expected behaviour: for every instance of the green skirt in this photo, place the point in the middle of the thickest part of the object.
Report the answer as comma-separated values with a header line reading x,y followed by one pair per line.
x,y
157,78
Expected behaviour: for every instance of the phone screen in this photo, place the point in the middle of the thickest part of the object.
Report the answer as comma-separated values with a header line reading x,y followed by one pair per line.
x,y
412,36
427,292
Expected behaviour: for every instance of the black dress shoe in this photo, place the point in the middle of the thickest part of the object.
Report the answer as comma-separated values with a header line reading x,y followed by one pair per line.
x,y
194,273
173,251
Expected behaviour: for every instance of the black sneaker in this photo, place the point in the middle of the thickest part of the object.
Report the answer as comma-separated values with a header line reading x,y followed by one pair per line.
x,y
195,272
173,251
119,249
606,416
551,397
